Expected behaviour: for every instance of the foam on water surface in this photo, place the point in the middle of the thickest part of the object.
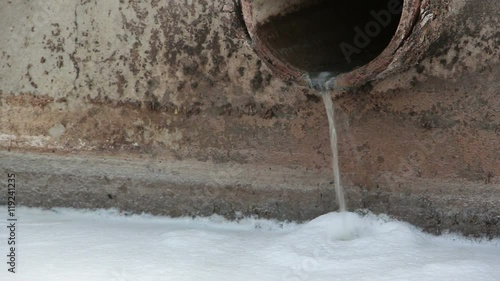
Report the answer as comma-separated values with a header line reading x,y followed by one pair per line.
x,y
105,245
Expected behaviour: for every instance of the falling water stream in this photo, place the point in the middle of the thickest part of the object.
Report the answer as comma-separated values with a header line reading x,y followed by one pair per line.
x,y
323,82
335,153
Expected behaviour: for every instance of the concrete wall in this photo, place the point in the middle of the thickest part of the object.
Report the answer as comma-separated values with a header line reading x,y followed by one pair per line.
x,y
171,103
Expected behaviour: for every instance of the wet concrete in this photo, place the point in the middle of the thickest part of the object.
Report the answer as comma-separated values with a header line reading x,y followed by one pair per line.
x,y
181,81
193,188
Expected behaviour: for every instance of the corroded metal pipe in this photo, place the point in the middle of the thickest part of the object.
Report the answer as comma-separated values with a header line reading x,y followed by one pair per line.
x,y
357,40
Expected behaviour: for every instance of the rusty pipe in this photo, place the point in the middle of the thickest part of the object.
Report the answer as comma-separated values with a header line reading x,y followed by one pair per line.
x,y
357,41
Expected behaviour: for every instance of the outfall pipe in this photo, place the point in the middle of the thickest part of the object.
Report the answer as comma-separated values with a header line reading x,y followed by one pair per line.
x,y
357,41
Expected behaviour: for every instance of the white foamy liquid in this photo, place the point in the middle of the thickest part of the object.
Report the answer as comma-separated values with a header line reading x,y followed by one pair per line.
x,y
70,245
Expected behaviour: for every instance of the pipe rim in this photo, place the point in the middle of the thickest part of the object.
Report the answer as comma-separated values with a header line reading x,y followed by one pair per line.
x,y
355,77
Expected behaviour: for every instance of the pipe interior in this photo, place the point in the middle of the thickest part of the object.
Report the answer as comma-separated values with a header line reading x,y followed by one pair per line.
x,y
335,36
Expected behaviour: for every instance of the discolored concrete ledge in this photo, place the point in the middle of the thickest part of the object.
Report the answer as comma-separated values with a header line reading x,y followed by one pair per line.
x,y
180,188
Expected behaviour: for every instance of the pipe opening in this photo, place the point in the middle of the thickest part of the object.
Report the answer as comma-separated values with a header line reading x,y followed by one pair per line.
x,y
329,36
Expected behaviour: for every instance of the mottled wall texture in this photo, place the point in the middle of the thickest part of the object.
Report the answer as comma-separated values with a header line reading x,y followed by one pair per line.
x,y
178,87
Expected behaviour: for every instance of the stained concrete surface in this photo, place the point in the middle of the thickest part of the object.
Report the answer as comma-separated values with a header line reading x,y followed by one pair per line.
x,y
193,188
180,81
